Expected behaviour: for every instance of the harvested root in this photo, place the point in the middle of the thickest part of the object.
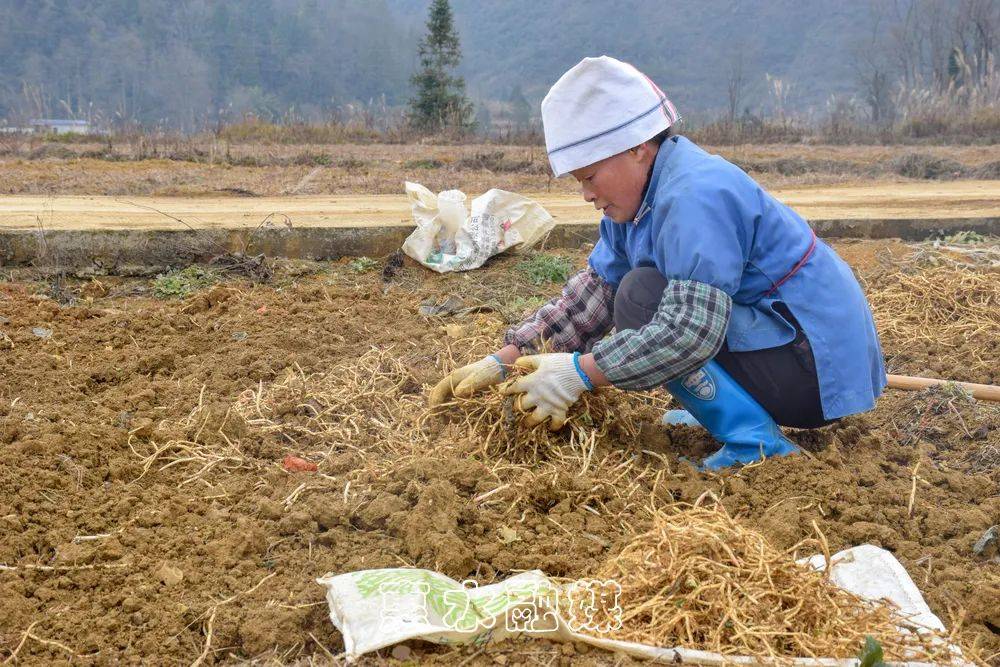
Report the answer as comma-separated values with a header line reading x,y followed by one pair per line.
x,y
952,306
493,420
700,579
983,254
372,399
369,404
207,440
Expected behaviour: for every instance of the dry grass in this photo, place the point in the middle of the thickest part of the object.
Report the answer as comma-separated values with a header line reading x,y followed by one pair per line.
x,y
985,460
696,578
492,420
200,442
209,167
700,579
369,402
946,296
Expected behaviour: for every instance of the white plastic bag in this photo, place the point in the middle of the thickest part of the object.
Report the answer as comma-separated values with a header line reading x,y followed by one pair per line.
x,y
447,238
374,609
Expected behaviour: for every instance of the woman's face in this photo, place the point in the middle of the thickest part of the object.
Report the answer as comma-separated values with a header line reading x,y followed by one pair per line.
x,y
615,184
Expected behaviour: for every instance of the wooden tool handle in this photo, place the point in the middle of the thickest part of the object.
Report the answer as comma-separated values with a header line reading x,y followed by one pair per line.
x,y
983,392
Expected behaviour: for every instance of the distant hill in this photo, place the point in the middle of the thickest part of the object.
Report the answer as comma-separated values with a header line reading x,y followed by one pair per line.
x,y
688,46
192,63
196,63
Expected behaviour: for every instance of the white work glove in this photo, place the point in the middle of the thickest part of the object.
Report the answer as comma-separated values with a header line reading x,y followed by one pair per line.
x,y
465,381
551,389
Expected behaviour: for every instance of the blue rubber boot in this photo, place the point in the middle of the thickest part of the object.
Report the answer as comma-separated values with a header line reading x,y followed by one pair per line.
x,y
747,432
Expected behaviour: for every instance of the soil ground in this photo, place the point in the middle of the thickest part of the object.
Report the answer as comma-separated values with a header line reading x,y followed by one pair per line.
x,y
105,562
191,168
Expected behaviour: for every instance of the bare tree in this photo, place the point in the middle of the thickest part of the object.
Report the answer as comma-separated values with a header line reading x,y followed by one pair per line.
x,y
779,89
34,101
977,33
873,70
933,28
735,84
906,40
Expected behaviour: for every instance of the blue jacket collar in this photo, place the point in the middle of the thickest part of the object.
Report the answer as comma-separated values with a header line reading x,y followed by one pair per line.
x,y
662,155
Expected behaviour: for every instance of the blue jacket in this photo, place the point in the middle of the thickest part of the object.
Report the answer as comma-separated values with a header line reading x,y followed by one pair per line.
x,y
704,219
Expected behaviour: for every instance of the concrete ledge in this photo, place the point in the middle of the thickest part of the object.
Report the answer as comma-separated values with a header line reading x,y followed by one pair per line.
x,y
108,249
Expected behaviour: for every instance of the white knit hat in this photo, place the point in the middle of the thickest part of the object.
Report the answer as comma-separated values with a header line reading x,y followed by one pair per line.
x,y
600,108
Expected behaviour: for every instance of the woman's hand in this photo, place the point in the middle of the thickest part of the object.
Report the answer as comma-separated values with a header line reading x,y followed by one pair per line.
x,y
556,383
467,380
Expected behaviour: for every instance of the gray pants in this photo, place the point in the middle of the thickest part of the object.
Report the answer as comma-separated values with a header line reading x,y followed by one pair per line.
x,y
782,379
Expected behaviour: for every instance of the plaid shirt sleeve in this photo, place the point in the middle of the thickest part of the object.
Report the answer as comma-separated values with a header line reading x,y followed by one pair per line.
x,y
687,331
572,322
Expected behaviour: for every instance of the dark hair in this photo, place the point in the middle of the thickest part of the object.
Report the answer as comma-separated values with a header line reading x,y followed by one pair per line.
x,y
663,136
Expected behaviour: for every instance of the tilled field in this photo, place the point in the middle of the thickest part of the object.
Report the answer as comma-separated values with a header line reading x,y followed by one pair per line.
x,y
219,168
146,516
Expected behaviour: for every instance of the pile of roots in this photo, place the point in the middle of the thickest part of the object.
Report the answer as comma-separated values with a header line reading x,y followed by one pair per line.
x,y
695,578
370,401
492,419
944,296
701,580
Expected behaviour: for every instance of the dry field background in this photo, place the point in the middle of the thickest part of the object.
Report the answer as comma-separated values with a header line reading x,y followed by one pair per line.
x,y
147,517
213,167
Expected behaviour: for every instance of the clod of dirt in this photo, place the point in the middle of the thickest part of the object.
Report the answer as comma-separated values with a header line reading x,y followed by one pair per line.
x,y
271,628
157,362
429,530
169,575
95,289
296,522
385,505
207,300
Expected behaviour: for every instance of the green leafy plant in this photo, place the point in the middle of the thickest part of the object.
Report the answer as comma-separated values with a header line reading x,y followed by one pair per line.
x,y
872,654
542,268
362,264
178,284
965,236
423,163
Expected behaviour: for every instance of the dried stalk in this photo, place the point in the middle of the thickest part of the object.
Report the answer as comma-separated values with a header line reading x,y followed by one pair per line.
x,y
700,579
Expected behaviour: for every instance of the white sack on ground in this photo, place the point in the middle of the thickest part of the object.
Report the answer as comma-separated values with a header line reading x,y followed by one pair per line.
x,y
374,609
448,238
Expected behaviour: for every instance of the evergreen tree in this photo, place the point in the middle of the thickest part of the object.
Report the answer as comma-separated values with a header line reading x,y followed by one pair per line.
x,y
440,100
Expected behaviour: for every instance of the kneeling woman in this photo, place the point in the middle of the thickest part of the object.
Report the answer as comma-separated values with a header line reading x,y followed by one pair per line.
x,y
715,289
